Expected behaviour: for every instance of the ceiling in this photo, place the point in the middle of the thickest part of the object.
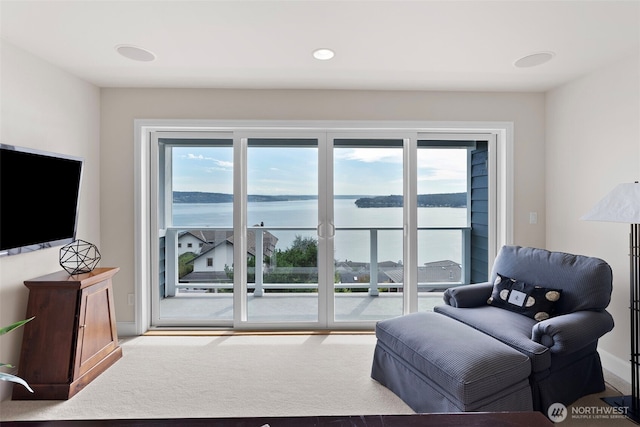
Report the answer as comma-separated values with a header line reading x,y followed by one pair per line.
x,y
267,44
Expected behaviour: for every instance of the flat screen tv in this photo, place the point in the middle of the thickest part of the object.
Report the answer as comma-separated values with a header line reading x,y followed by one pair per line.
x,y
39,194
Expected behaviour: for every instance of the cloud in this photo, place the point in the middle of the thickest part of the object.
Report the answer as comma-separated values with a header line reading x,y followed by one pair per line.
x,y
370,155
437,174
435,165
221,164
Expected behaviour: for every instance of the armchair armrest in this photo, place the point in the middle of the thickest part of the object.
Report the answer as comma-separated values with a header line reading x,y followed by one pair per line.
x,y
466,296
572,331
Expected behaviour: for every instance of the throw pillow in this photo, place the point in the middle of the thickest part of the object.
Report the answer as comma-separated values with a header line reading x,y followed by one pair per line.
x,y
515,295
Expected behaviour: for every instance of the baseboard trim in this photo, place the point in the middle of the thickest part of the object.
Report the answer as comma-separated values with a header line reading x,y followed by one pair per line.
x,y
126,329
615,365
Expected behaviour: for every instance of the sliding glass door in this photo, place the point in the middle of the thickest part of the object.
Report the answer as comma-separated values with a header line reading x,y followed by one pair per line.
x,y
443,219
282,237
195,230
368,188
312,229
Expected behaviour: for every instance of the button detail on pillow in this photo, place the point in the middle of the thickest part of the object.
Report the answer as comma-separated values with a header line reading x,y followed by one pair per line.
x,y
515,295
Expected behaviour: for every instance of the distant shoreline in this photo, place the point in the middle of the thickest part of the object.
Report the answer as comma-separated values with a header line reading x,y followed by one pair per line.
x,y
450,200
444,200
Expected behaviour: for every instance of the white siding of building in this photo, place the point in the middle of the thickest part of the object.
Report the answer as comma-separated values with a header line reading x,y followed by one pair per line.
x,y
222,255
187,239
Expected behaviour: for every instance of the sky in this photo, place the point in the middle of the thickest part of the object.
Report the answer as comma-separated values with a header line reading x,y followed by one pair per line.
x,y
294,170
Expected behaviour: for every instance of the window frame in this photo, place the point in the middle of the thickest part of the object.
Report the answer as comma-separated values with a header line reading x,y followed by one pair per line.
x,y
499,134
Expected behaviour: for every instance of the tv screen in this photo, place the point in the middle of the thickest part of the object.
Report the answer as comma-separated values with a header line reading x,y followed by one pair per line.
x,y
39,193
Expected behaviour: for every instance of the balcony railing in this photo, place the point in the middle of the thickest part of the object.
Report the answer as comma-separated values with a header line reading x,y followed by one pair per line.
x,y
258,287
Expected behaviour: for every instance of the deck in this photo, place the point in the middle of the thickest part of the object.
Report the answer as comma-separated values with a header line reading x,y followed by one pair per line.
x,y
290,307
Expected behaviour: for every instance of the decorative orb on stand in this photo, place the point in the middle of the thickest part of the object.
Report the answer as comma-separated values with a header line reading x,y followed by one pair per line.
x,y
79,257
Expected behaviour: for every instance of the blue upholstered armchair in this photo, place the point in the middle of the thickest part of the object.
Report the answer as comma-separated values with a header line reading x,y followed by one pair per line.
x,y
549,306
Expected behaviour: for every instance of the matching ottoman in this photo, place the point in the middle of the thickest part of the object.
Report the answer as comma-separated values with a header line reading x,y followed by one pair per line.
x,y
437,364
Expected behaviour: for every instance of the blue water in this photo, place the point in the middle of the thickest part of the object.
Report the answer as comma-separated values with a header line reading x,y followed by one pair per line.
x,y
353,245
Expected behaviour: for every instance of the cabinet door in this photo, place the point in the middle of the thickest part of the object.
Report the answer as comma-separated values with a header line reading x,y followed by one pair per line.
x,y
97,336
48,340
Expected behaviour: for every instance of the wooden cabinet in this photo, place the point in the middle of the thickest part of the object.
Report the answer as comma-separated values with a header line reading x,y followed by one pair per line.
x,y
73,337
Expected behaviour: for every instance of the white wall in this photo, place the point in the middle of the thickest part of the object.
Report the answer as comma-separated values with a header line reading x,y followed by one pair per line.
x,y
593,144
45,108
120,106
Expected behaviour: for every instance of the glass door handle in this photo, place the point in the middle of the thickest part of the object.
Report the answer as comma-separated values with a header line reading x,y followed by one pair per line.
x,y
322,231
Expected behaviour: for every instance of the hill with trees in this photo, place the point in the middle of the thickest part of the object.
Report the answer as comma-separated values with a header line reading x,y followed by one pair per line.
x,y
449,200
443,200
204,197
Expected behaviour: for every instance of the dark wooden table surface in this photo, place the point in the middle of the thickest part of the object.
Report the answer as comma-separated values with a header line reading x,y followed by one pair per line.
x,y
493,419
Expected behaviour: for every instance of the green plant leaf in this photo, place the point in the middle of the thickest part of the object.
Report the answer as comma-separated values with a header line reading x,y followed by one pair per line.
x,y
14,326
8,377
14,379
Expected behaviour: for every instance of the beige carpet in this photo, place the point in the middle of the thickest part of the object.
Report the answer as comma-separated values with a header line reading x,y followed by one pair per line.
x,y
236,376
227,376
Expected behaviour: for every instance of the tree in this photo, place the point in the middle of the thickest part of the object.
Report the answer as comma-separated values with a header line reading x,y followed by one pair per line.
x,y
302,253
184,267
296,264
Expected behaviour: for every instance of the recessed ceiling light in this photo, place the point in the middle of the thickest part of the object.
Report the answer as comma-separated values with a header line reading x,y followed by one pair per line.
x,y
534,59
135,53
323,54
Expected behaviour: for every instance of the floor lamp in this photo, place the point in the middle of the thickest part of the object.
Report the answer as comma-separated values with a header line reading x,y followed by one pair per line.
x,y
622,204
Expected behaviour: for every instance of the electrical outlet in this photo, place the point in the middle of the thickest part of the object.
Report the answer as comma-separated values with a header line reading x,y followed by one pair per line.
x,y
533,217
131,299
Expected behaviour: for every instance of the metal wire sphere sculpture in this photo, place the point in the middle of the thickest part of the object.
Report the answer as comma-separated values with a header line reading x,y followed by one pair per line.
x,y
79,257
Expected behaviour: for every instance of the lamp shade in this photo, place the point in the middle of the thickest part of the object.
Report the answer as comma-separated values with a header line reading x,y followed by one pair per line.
x,y
622,204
